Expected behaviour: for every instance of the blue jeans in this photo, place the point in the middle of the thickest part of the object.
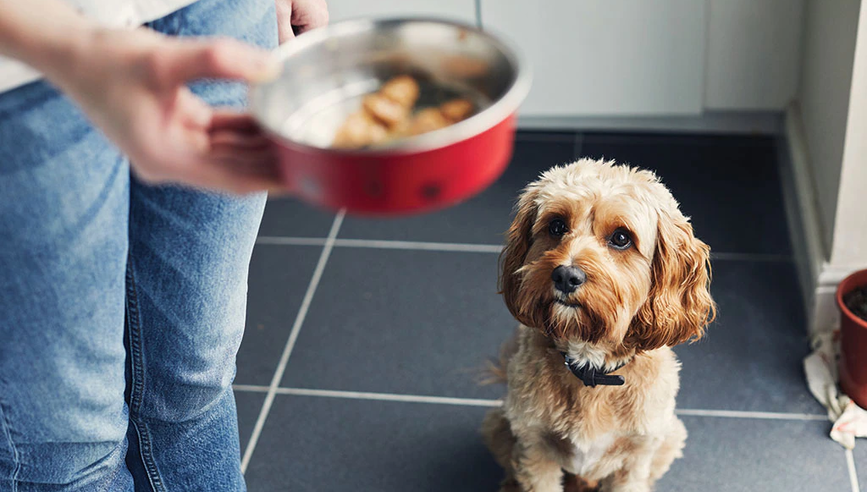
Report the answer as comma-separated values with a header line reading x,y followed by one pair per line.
x,y
122,305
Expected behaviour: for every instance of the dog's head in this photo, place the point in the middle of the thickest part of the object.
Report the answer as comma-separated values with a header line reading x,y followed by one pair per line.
x,y
600,253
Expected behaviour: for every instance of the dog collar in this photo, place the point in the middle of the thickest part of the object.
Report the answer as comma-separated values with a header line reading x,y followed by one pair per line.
x,y
592,376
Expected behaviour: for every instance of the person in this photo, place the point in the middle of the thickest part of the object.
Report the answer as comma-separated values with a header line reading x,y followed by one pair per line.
x,y
131,190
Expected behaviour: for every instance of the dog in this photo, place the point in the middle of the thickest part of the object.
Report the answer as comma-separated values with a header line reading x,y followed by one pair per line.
x,y
604,274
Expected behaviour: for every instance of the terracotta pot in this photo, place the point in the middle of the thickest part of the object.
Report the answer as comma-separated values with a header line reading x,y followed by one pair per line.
x,y
853,343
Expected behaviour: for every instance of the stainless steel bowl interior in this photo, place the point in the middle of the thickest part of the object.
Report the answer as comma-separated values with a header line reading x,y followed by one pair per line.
x,y
327,71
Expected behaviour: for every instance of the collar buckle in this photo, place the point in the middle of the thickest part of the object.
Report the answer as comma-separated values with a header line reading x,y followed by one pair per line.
x,y
592,376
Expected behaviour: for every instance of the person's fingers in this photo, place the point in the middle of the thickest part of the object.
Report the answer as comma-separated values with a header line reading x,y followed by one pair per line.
x,y
285,32
230,128
309,14
222,119
185,60
193,111
262,157
236,167
238,175
228,139
284,20
237,172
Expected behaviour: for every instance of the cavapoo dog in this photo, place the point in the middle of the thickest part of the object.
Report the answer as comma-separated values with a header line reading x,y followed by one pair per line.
x,y
604,274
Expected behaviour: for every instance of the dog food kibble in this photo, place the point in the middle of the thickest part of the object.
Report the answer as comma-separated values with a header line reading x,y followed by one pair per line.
x,y
457,110
385,110
387,115
402,90
359,130
428,120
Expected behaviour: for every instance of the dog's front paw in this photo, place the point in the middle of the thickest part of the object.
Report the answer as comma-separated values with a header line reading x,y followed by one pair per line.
x,y
510,485
631,487
572,483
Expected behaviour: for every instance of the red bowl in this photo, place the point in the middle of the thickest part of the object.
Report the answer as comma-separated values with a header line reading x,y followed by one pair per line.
x,y
325,74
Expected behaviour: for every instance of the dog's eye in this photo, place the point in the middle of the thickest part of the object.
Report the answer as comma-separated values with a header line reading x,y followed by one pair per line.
x,y
620,240
557,228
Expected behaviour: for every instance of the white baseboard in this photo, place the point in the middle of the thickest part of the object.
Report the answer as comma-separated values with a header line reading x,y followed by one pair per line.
x,y
818,277
726,122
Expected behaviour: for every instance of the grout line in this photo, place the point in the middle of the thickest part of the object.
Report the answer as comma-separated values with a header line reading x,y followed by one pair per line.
x,y
293,335
419,245
251,388
739,414
361,395
853,473
464,247
480,402
291,241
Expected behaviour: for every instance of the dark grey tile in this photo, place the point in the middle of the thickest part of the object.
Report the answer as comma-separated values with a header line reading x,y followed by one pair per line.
x,y
860,457
730,186
747,455
324,444
483,219
415,322
249,405
289,217
751,358
279,276
546,135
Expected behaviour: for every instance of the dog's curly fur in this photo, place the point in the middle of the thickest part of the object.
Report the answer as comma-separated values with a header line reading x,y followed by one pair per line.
x,y
635,304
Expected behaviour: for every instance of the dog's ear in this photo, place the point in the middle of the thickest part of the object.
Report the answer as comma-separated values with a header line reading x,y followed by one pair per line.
x,y
519,238
679,305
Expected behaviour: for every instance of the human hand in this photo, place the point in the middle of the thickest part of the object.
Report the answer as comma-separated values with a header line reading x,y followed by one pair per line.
x,y
132,85
302,15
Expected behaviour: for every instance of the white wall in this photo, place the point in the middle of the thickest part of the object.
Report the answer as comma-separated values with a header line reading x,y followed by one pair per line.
x,y
464,10
753,53
850,233
591,57
826,74
629,60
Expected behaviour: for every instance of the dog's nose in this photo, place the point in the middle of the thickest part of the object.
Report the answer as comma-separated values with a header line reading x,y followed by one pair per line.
x,y
568,278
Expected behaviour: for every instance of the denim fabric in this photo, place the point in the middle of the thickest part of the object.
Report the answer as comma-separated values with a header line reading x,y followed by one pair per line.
x,y
121,305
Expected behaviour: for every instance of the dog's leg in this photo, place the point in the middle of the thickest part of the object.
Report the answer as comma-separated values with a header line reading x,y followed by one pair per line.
x,y
634,472
670,449
574,483
501,442
535,470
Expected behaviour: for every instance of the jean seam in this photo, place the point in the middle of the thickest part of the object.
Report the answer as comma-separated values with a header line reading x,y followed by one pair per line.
x,y
6,428
137,376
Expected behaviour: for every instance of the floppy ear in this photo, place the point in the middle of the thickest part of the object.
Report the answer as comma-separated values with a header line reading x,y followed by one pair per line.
x,y
518,242
679,305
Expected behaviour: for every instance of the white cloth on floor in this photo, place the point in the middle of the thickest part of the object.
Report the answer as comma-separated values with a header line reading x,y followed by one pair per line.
x,y
850,420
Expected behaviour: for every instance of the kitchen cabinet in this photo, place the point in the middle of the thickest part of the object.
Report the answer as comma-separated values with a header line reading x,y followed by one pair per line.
x,y
463,10
595,58
634,57
753,54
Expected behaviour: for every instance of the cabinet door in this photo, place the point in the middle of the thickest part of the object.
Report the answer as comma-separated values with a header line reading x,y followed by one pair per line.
x,y
462,10
753,52
592,57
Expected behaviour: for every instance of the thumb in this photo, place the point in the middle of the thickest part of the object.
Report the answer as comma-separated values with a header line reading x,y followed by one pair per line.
x,y
220,59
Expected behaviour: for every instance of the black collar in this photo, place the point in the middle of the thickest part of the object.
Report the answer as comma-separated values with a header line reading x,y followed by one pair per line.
x,y
592,376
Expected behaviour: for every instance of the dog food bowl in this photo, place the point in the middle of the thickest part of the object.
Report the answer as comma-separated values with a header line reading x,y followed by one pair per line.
x,y
327,71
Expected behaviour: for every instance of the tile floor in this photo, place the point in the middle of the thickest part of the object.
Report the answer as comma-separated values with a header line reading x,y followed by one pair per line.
x,y
372,371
